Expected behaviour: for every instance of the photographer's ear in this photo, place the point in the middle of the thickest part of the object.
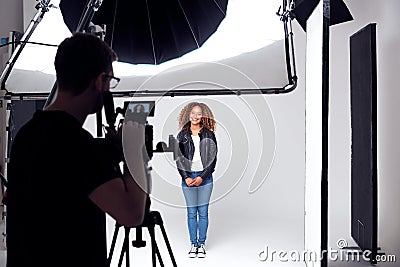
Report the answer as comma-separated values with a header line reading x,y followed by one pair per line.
x,y
100,82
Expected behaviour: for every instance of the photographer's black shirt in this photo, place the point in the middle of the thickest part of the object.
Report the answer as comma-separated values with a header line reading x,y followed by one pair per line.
x,y
54,166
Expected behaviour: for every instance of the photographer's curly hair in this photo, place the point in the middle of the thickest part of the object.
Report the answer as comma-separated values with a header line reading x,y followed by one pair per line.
x,y
207,120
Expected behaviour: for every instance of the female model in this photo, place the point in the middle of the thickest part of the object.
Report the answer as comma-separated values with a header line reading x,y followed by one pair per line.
x,y
196,163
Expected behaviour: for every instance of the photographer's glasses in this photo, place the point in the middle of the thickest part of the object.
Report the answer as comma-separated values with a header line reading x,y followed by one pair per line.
x,y
113,81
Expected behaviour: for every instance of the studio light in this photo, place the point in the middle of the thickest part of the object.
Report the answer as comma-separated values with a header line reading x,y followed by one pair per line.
x,y
151,32
339,12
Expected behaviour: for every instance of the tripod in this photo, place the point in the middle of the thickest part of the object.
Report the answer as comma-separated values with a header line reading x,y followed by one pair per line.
x,y
152,218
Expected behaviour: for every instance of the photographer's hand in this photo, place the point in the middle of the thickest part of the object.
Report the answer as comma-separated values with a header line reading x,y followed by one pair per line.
x,y
133,142
113,143
115,136
133,137
125,199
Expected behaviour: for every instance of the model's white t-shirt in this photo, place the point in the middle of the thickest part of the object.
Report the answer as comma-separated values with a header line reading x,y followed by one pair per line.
x,y
197,165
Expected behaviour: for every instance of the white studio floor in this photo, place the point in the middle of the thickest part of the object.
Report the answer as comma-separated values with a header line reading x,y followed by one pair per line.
x,y
230,241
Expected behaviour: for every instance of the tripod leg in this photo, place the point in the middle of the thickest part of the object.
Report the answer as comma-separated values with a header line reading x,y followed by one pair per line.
x,y
159,256
154,247
117,226
121,256
125,249
126,244
164,233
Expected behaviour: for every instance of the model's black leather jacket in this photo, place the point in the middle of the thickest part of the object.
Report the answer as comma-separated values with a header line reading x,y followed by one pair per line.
x,y
208,152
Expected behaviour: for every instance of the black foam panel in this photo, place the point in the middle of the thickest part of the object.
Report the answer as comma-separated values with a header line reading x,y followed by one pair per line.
x,y
363,80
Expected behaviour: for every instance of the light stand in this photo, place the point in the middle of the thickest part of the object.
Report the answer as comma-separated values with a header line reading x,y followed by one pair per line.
x,y
43,6
3,191
83,25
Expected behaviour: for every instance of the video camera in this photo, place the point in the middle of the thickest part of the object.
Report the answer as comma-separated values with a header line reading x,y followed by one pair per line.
x,y
138,111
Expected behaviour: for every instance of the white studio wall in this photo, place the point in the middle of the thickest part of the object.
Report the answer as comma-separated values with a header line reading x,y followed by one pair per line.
x,y
11,20
29,12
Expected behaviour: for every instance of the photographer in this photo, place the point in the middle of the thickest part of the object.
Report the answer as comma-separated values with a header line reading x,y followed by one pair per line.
x,y
62,180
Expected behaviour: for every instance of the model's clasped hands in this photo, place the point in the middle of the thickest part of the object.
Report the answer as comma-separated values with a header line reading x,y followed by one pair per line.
x,y
194,181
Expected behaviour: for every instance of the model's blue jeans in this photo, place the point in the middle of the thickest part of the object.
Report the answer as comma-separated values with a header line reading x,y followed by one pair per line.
x,y
197,202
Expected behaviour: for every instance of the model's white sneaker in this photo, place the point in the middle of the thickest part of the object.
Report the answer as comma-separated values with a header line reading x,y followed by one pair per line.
x,y
193,251
201,251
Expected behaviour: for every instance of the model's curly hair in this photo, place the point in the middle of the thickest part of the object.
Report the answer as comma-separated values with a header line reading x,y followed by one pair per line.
x,y
207,120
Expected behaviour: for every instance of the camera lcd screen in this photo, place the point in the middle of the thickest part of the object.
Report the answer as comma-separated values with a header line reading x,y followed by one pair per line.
x,y
146,107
